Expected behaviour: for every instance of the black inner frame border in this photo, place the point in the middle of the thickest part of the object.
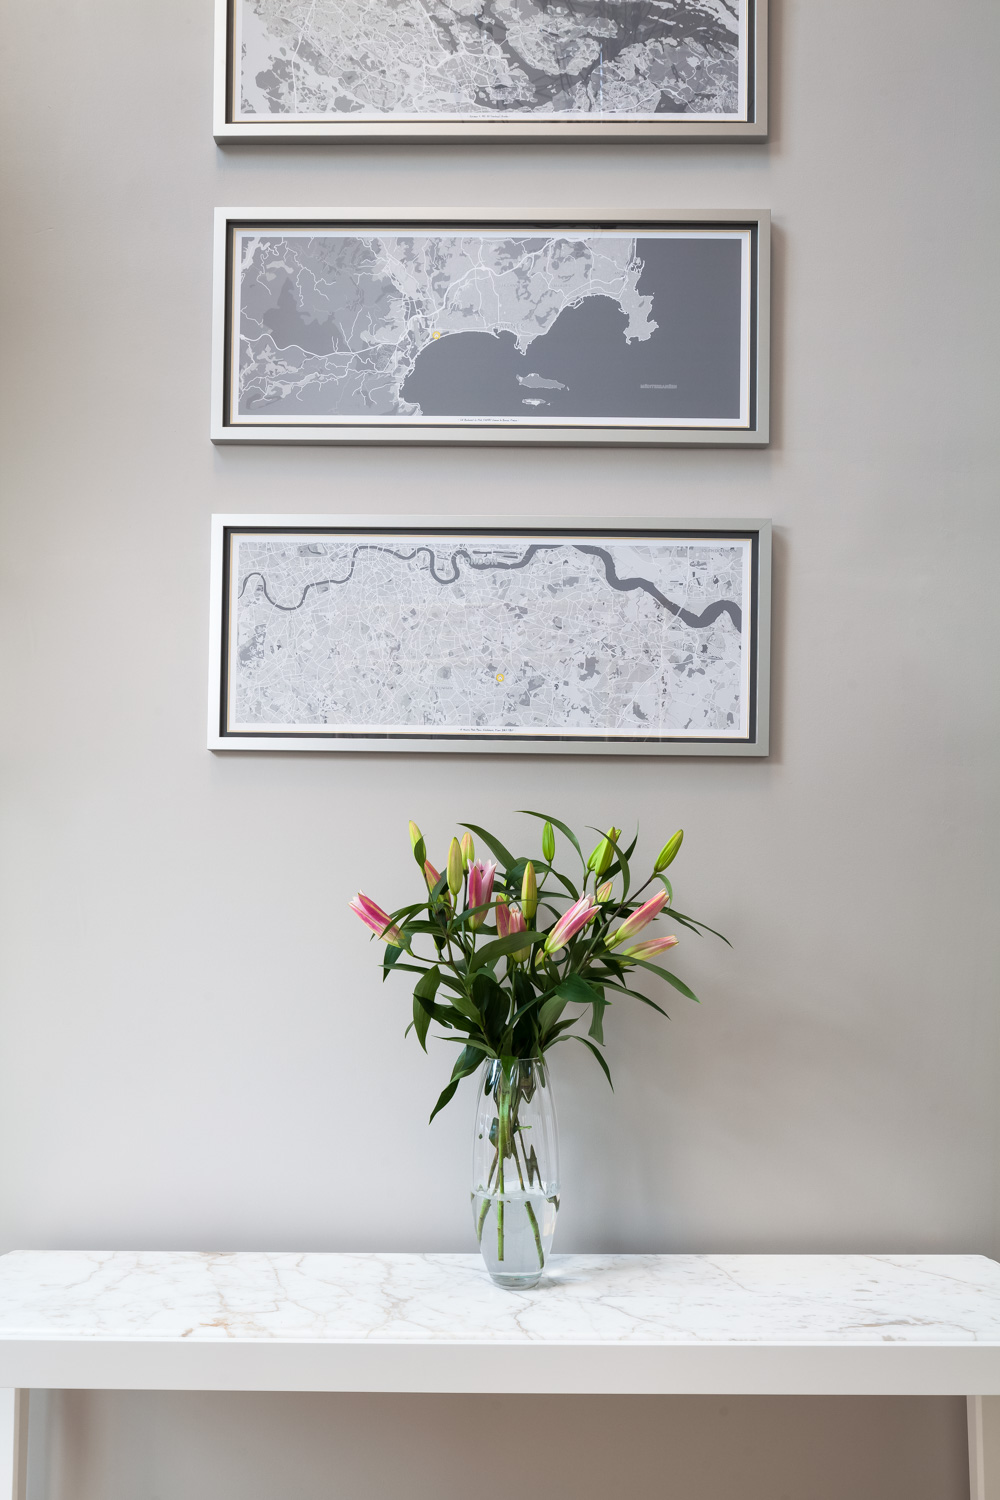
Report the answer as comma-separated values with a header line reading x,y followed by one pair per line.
x,y
632,226
753,63
750,533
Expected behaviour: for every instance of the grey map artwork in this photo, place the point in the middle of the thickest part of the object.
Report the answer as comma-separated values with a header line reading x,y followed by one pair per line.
x,y
408,634
476,59
516,326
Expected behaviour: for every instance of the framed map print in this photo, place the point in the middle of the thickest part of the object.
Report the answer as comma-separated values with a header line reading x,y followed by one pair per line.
x,y
436,328
499,70
489,634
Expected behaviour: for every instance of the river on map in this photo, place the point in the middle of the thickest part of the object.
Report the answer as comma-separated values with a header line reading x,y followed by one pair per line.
x,y
688,369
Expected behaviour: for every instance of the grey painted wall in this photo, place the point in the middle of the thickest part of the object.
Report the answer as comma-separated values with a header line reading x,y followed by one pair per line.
x,y
196,1050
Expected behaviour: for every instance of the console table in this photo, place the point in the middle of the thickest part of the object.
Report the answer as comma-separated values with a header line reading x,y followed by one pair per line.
x,y
600,1324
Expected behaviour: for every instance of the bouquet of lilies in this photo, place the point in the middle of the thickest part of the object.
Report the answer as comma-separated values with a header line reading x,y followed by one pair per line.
x,y
515,954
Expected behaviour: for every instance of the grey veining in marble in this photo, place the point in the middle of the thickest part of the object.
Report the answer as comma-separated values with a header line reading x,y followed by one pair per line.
x,y
708,1300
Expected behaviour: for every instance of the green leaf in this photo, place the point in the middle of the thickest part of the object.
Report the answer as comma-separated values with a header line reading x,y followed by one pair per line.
x,y
694,924
509,944
561,827
503,855
492,1001
567,884
423,1003
577,990
597,1024
467,1062
467,1008
390,959
445,1097
621,989
550,1011
600,1058
678,984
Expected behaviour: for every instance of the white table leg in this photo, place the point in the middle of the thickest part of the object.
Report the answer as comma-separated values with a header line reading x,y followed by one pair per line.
x,y
984,1447
13,1444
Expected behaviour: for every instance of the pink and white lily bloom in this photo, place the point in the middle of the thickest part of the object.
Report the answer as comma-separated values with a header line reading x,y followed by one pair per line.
x,y
569,924
379,921
650,948
639,919
481,889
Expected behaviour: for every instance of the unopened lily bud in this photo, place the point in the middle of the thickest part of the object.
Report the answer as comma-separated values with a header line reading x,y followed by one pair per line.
x,y
529,893
468,850
417,843
548,843
502,914
668,853
604,893
456,869
431,875
601,857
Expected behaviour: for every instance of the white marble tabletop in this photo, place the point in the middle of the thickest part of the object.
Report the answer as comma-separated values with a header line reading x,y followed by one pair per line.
x,y
436,1322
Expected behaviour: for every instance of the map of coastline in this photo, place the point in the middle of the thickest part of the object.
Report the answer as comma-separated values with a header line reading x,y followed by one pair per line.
x,y
428,324
337,59
489,635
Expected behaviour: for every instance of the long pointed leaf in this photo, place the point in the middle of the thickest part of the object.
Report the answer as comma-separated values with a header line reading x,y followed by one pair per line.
x,y
693,922
503,855
678,984
607,1071
509,944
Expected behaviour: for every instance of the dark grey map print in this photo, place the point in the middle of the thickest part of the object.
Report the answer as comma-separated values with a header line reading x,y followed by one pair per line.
x,y
586,637
527,327
481,59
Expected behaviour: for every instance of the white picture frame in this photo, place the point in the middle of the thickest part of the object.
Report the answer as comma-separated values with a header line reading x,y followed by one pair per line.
x,y
624,632
746,122
720,303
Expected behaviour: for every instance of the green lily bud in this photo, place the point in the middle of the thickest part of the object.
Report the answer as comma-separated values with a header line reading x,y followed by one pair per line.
x,y
468,851
548,843
601,857
456,870
417,844
668,853
529,893
604,892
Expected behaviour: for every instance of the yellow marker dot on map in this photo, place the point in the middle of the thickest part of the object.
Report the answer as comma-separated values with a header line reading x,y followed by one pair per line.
x,y
499,677
435,335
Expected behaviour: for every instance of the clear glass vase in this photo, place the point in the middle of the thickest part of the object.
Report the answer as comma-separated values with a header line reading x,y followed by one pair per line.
x,y
515,1170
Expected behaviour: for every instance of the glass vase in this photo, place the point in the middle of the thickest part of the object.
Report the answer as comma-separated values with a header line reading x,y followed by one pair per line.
x,y
515,1170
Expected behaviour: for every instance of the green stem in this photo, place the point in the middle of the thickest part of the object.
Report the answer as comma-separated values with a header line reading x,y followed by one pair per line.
x,y
486,1199
527,1206
535,1231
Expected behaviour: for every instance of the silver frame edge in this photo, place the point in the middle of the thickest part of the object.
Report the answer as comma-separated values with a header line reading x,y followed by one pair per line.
x,y
270,743
458,435
499,132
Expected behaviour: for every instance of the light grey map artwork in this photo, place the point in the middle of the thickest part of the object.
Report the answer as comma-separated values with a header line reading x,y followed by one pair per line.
x,y
424,326
542,635
488,59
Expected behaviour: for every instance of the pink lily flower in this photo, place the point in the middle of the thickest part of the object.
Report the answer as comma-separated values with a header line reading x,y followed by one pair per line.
x,y
481,889
650,948
379,921
518,924
639,919
569,924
